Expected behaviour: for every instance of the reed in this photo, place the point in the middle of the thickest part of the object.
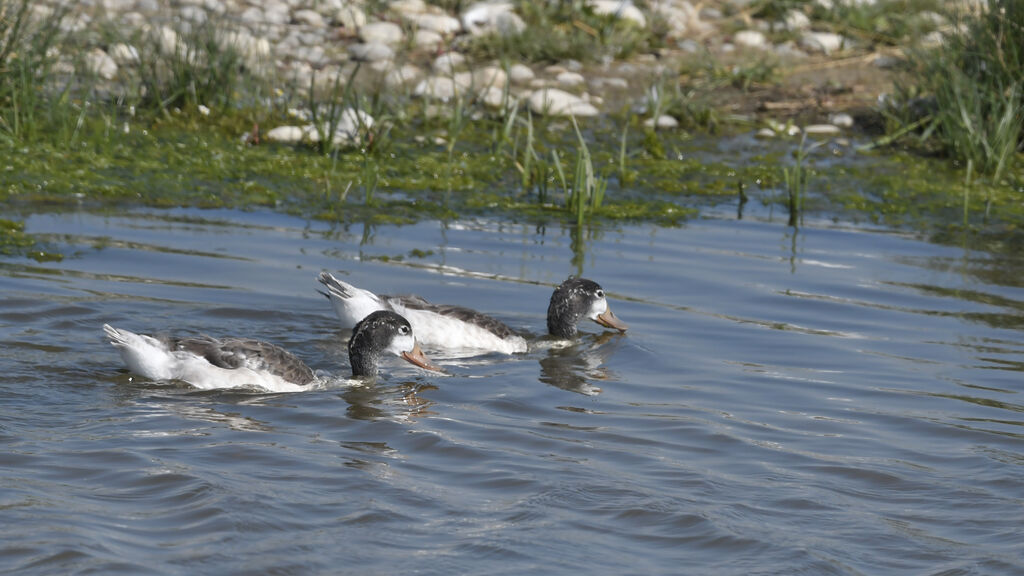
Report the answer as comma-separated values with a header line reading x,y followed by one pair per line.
x,y
200,66
34,101
975,83
588,188
795,179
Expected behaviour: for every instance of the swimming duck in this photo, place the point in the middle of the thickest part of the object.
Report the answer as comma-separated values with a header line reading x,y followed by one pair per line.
x,y
455,328
208,363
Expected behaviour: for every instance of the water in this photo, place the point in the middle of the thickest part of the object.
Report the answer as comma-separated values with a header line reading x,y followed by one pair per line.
x,y
832,401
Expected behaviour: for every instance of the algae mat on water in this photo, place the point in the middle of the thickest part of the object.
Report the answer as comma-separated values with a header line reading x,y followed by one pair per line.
x,y
190,162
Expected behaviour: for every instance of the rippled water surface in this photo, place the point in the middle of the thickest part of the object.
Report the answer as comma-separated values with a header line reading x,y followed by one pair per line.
x,y
832,401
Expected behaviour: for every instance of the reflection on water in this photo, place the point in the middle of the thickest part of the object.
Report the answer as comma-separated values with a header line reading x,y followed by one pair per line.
x,y
575,367
402,402
832,401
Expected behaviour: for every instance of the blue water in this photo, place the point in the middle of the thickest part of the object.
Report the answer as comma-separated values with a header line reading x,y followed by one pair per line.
x,y
833,400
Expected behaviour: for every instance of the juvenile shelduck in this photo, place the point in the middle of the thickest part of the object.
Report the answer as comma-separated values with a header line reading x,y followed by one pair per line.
x,y
455,329
208,363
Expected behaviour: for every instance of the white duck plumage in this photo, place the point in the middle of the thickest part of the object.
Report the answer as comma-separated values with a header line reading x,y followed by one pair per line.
x,y
210,363
457,330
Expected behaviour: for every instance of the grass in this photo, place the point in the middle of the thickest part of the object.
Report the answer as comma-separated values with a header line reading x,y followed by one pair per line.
x,y
32,103
83,144
795,180
586,195
973,90
203,66
888,23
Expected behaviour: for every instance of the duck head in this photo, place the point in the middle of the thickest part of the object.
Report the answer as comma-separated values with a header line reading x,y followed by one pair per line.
x,y
577,299
384,331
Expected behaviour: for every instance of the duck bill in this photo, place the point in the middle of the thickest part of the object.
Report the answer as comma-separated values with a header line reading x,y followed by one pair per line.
x,y
417,357
608,319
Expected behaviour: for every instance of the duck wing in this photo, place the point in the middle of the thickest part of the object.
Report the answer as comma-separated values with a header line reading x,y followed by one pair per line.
x,y
460,313
256,355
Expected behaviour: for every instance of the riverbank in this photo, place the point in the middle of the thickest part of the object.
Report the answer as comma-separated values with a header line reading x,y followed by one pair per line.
x,y
395,112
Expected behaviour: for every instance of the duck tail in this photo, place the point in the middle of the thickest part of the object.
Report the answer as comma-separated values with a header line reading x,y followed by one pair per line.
x,y
350,303
336,288
144,355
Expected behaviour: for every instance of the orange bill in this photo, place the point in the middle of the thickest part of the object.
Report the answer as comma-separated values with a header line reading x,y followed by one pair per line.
x,y
609,320
417,357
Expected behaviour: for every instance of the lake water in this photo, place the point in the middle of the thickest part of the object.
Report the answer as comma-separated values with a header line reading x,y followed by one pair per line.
x,y
835,400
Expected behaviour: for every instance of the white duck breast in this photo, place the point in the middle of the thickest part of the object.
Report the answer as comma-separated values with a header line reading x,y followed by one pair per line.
x,y
456,329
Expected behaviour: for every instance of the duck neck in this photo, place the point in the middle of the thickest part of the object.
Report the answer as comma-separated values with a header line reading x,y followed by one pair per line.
x,y
364,362
562,321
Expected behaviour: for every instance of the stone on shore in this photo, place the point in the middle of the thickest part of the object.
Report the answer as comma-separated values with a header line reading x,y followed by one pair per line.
x,y
663,122
826,42
821,130
442,88
520,74
381,33
101,64
349,16
492,18
555,102
350,125
750,39
623,9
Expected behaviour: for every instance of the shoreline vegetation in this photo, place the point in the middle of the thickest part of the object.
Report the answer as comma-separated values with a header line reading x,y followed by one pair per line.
x,y
573,111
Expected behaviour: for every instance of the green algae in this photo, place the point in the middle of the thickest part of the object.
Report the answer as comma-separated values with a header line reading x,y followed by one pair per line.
x,y
183,160
14,240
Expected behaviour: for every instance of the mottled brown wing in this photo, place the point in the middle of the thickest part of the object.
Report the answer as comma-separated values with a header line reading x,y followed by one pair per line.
x,y
491,324
247,353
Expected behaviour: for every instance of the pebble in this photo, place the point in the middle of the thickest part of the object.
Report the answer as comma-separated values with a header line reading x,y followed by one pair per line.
x,y
822,129
300,39
490,76
555,102
101,64
442,88
492,17
381,33
448,62
351,123
663,122
779,128
349,16
827,42
124,54
286,134
570,79
796,20
622,9
520,74
681,18
309,18
750,39
371,52
616,83
492,96
440,23
404,74
841,119
427,39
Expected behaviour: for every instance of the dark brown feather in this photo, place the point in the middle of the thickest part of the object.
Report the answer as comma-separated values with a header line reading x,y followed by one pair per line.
x,y
233,353
492,325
